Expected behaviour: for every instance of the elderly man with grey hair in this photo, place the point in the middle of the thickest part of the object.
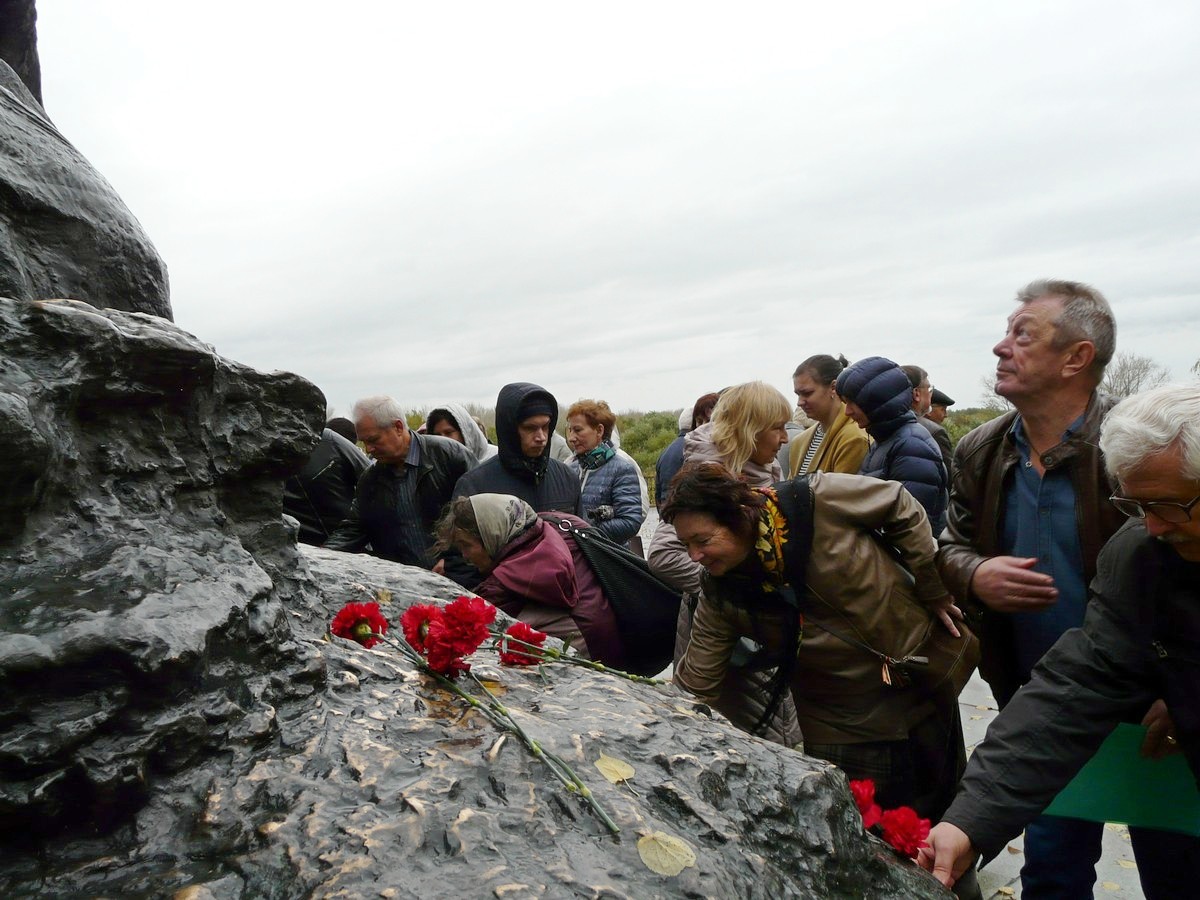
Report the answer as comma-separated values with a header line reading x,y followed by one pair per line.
x,y
1028,515
398,500
1140,641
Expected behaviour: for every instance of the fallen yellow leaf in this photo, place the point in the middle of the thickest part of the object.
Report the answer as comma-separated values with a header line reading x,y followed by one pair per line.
x,y
1126,864
1006,891
664,853
615,770
1110,886
976,718
1012,849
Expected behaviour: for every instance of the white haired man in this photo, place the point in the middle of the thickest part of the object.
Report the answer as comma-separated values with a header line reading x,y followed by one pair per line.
x,y
1140,641
398,500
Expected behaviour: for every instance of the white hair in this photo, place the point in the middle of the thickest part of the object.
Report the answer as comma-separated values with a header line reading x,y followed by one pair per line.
x,y
1150,423
383,409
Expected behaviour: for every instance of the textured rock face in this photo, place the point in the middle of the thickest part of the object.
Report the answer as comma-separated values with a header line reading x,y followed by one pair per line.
x,y
174,721
64,232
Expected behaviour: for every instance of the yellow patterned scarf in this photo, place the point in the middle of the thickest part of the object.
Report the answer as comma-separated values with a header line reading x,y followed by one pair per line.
x,y
772,535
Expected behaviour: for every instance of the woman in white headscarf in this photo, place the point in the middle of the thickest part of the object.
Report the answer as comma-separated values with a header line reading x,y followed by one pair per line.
x,y
451,420
533,571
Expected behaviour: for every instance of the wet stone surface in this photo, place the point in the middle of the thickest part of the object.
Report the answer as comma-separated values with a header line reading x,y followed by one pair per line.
x,y
175,722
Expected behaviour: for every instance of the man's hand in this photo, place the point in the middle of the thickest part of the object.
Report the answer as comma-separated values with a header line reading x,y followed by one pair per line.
x,y
1009,584
439,567
1160,732
947,854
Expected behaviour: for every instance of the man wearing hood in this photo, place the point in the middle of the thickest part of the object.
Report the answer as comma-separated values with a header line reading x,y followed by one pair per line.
x,y
523,466
451,420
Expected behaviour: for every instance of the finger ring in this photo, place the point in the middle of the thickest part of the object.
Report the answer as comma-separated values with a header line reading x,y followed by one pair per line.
x,y
1171,740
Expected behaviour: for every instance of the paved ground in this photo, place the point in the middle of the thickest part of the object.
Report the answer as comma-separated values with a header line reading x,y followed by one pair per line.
x,y
1116,874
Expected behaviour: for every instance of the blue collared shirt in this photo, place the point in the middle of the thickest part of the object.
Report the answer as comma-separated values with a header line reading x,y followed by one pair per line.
x,y
1040,521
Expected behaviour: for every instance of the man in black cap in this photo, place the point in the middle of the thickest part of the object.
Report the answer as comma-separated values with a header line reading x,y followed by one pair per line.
x,y
939,403
523,466
922,399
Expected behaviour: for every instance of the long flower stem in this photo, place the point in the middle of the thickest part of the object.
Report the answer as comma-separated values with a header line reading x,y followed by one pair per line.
x,y
557,764
499,716
551,655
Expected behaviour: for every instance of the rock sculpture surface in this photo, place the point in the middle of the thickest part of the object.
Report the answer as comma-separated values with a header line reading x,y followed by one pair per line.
x,y
64,232
175,723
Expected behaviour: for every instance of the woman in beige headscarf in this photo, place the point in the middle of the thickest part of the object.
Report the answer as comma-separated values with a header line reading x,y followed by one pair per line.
x,y
534,572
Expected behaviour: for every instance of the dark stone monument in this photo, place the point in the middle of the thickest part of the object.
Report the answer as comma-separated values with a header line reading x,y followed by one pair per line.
x,y
175,722
64,232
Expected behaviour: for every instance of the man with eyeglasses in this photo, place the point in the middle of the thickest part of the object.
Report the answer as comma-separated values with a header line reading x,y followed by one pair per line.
x,y
1028,514
1139,641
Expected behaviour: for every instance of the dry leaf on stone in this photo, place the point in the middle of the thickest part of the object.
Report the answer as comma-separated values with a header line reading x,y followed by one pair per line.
x,y
1110,885
664,853
383,595
1126,864
1012,849
1006,891
615,770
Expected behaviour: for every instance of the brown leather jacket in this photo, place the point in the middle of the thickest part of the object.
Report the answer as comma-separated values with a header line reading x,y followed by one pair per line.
x,y
853,586
983,464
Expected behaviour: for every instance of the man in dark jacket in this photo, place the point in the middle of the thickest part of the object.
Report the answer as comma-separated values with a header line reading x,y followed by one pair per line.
x,y
922,403
398,501
1140,641
1028,515
320,494
523,467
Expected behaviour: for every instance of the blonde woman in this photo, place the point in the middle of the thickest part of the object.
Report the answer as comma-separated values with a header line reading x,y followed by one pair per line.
x,y
748,426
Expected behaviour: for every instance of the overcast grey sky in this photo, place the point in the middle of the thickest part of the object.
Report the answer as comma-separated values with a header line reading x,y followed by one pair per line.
x,y
640,202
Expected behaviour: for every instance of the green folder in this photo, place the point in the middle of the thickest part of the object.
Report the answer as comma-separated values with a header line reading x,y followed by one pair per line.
x,y
1120,785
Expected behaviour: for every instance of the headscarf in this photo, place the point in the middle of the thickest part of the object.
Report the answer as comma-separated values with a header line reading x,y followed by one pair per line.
x,y
501,519
473,437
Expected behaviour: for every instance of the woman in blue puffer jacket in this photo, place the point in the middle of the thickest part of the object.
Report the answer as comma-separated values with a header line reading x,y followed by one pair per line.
x,y
878,397
609,487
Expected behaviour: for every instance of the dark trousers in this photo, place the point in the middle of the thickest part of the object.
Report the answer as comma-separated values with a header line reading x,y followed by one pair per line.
x,y
1061,856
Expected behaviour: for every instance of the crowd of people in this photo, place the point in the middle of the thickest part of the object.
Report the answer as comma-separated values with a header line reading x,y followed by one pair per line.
x,y
843,568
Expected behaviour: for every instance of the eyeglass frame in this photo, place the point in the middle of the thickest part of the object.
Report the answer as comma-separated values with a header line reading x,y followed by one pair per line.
x,y
1140,509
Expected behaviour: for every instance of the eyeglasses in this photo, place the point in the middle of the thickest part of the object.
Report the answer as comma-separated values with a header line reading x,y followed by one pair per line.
x,y
1164,510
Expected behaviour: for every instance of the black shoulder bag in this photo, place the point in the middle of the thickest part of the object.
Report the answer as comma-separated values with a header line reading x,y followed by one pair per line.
x,y
646,607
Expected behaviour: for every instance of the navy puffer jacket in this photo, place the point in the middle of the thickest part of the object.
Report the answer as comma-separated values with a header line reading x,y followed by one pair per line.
x,y
903,451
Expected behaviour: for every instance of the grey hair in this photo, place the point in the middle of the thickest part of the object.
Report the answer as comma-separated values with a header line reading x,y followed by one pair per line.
x,y
383,409
1086,316
1150,423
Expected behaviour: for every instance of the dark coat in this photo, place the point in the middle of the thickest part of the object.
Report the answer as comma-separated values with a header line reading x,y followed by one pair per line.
x,y
545,483
320,494
1140,641
903,450
669,462
374,518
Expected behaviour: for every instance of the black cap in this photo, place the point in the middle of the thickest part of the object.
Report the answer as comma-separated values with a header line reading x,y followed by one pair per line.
x,y
937,398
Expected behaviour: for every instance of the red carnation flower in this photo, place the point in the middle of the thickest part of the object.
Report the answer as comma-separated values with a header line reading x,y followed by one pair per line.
x,y
441,652
517,655
416,621
905,830
864,798
359,622
467,620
